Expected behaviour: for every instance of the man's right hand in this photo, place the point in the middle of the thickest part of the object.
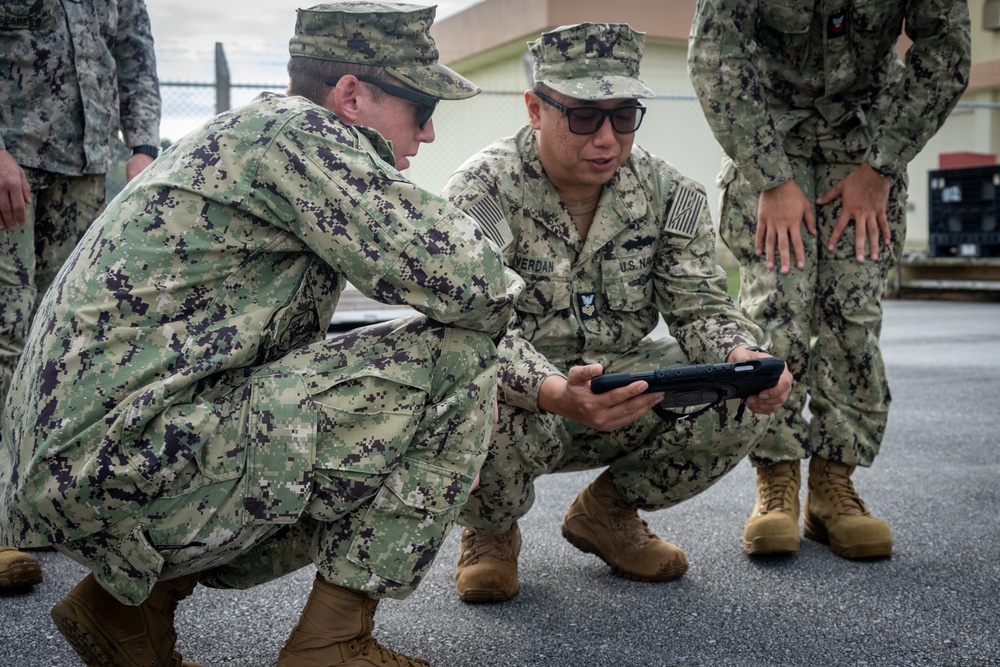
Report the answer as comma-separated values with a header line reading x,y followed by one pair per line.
x,y
780,212
15,193
571,397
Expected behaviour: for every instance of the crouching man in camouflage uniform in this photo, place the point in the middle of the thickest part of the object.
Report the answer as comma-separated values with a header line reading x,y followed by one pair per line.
x,y
607,238
178,416
818,117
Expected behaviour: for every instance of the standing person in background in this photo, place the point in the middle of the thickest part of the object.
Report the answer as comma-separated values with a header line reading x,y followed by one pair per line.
x,y
73,74
608,239
818,117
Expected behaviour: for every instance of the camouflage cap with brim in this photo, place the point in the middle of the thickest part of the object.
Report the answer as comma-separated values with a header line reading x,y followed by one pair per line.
x,y
392,35
591,61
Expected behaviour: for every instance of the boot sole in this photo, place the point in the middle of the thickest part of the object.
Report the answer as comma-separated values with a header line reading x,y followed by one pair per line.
x,y
771,545
77,626
584,545
851,551
485,595
21,575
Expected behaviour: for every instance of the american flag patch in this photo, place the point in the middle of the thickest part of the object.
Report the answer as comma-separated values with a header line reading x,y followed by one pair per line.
x,y
683,217
487,213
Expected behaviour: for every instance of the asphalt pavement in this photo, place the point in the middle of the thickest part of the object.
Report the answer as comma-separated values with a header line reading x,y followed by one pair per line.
x,y
934,603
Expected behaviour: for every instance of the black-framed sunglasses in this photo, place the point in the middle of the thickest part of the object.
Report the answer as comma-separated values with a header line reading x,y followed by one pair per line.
x,y
588,120
427,102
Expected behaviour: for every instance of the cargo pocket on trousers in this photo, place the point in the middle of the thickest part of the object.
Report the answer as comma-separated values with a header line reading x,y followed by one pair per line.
x,y
408,521
281,450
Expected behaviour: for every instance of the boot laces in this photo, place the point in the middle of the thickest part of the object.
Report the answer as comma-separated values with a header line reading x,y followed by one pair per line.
x,y
778,492
369,648
622,518
629,526
477,546
842,494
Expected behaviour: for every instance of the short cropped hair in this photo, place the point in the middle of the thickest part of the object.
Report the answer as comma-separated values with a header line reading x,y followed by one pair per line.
x,y
307,77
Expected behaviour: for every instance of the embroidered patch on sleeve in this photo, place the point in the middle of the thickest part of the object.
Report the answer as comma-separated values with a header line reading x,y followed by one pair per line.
x,y
588,311
685,210
487,213
837,25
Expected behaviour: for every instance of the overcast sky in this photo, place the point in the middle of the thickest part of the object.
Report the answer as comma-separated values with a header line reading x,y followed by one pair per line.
x,y
253,31
254,34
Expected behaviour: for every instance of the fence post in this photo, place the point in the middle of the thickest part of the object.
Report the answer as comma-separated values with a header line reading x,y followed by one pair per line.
x,y
222,82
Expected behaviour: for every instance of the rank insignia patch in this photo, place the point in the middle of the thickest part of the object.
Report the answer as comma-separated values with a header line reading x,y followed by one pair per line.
x,y
836,26
588,311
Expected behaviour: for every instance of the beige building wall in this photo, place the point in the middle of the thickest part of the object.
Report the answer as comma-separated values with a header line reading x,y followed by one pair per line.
x,y
488,43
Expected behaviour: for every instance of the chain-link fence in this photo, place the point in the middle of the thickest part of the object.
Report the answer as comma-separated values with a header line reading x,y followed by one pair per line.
x,y
674,128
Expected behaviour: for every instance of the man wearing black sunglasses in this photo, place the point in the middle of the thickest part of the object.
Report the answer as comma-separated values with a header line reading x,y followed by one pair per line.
x,y
608,239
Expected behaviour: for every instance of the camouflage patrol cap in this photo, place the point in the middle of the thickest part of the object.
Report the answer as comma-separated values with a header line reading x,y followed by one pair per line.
x,y
591,61
392,35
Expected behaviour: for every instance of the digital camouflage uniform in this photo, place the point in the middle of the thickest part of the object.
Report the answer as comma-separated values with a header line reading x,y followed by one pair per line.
x,y
178,409
73,74
650,251
810,90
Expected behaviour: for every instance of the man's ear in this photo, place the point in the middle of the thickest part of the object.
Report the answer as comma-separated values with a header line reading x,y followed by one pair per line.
x,y
534,109
344,99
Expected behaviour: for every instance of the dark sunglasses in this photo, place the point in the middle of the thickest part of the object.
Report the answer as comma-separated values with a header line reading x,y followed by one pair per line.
x,y
426,102
587,120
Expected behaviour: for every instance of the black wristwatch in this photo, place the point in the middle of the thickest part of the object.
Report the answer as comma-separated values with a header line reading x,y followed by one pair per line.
x,y
758,348
145,149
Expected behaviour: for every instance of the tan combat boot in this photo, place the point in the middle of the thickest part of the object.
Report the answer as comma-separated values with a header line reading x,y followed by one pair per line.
x,y
602,522
18,569
106,633
837,516
487,566
774,522
335,628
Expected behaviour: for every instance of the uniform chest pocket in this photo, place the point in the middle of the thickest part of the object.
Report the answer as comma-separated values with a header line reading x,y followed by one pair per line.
x,y
876,16
107,19
544,291
27,15
790,17
628,281
783,30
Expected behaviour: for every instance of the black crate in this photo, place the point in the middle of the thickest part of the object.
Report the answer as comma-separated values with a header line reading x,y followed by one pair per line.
x,y
969,187
973,244
964,212
965,220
